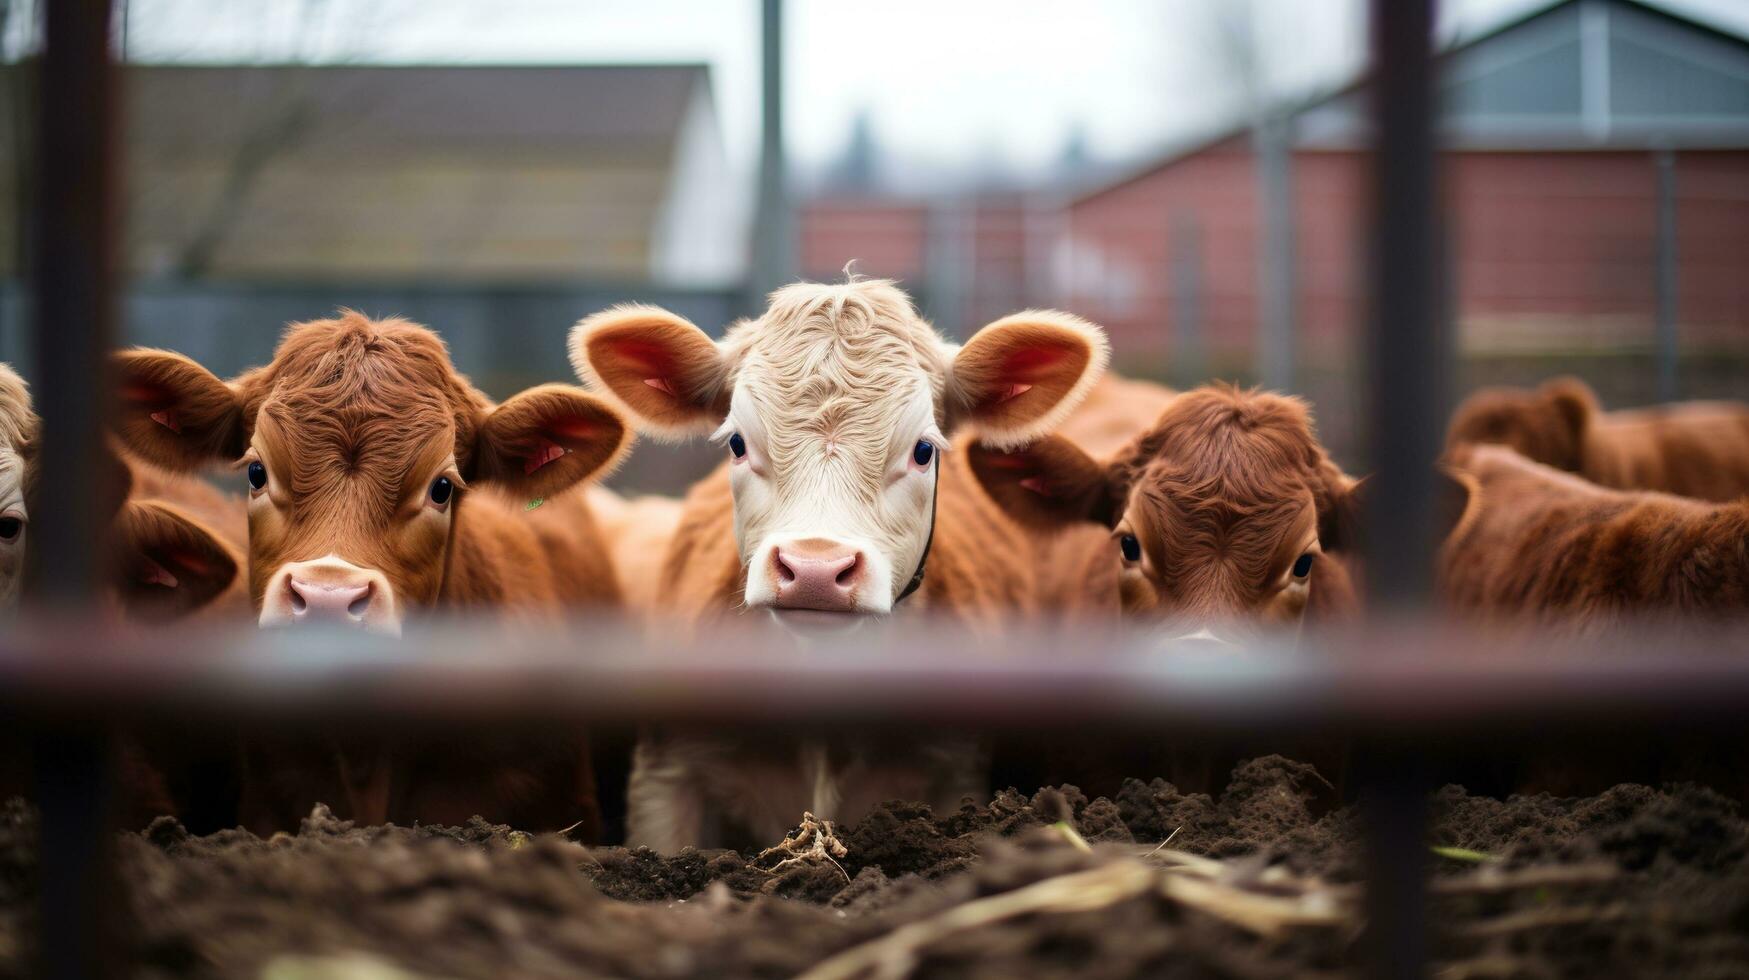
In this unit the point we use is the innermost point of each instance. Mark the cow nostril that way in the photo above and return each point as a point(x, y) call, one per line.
point(785, 574)
point(357, 606)
point(848, 575)
point(297, 599)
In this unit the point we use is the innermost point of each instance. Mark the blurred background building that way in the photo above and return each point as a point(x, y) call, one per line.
point(1188, 175)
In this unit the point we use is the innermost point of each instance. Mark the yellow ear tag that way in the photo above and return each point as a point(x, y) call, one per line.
point(536, 502)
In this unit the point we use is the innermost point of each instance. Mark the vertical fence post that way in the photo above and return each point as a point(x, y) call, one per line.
point(773, 225)
point(1188, 352)
point(1272, 147)
point(73, 296)
point(1668, 387)
point(1406, 362)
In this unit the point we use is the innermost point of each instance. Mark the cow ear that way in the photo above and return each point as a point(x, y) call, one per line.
point(1047, 485)
point(1573, 400)
point(1020, 376)
point(174, 412)
point(166, 563)
point(663, 370)
point(547, 440)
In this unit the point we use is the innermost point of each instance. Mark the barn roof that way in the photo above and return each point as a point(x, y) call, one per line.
point(1575, 75)
point(407, 172)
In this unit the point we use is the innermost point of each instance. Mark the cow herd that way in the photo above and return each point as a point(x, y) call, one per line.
point(870, 468)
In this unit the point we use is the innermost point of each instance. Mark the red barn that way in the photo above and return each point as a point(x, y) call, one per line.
point(1561, 129)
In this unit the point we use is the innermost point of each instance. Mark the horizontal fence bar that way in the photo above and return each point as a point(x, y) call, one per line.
point(1410, 678)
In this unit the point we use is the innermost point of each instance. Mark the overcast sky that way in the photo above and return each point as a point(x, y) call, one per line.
point(954, 82)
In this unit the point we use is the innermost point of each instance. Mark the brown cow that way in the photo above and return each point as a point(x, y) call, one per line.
point(1222, 515)
point(175, 551)
point(1217, 514)
point(169, 556)
point(363, 450)
point(1697, 449)
point(835, 407)
point(1539, 547)
point(1535, 544)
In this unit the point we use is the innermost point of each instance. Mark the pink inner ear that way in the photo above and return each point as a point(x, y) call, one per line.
point(1031, 362)
point(156, 574)
point(1037, 485)
point(545, 452)
point(1015, 390)
point(661, 384)
point(167, 419)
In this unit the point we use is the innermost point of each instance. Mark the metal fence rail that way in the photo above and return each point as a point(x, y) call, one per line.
point(1404, 693)
point(1404, 680)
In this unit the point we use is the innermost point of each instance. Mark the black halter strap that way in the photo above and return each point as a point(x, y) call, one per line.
point(922, 560)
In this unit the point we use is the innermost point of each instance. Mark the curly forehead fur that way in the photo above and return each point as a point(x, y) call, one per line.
point(361, 398)
point(838, 363)
point(1242, 447)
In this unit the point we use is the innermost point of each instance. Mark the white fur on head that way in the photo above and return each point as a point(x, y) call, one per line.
point(832, 389)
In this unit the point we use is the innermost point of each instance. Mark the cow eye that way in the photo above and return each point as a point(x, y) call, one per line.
point(10, 527)
point(737, 445)
point(1132, 548)
point(257, 474)
point(1303, 565)
point(923, 452)
point(441, 490)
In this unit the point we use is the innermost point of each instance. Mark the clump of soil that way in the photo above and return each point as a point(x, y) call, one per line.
point(1254, 883)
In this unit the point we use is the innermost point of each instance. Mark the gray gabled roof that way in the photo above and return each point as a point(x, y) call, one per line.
point(411, 172)
point(406, 107)
point(1578, 74)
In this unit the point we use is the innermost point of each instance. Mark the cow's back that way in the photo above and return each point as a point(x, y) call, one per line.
point(1695, 449)
point(1115, 412)
point(1538, 543)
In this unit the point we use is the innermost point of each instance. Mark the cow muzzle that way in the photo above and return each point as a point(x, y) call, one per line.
point(332, 592)
point(818, 574)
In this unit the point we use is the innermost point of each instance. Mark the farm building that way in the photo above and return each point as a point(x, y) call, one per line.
point(1562, 130)
point(455, 174)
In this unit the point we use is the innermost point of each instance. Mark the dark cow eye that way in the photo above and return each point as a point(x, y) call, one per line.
point(1303, 565)
point(10, 528)
point(441, 489)
point(923, 452)
point(1132, 549)
point(257, 474)
point(737, 445)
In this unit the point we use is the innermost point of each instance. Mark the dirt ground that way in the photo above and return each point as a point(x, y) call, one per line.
point(1635, 881)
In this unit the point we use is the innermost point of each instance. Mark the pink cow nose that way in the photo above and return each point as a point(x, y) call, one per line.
point(329, 602)
point(815, 573)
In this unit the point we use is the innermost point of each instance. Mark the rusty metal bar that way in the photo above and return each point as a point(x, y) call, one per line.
point(73, 295)
point(1408, 365)
point(609, 671)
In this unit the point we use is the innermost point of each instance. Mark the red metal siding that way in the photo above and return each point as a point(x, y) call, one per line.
point(1550, 244)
